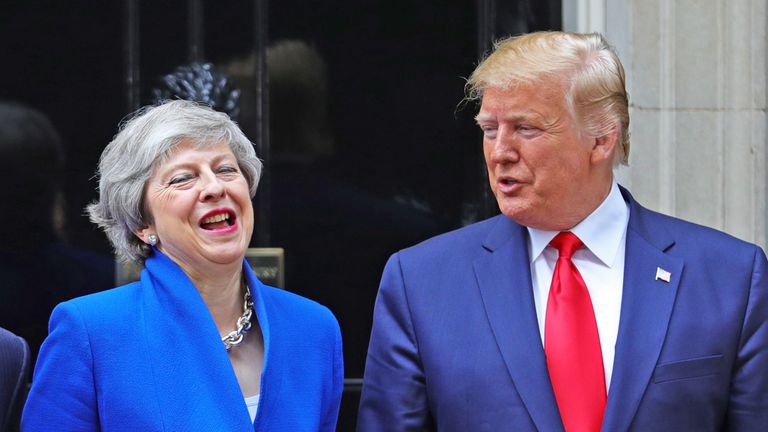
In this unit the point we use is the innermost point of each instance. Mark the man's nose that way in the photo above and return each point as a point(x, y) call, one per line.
point(505, 148)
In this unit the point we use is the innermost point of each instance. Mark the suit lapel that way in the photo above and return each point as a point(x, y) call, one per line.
point(646, 308)
point(505, 286)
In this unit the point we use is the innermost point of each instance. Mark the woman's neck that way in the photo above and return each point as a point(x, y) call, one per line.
point(223, 294)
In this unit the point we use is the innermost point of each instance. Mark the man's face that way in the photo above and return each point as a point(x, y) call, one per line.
point(541, 169)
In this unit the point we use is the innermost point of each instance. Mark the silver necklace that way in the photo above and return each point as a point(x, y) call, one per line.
point(235, 337)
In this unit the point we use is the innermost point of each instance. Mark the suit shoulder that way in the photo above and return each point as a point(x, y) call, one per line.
point(691, 237)
point(457, 242)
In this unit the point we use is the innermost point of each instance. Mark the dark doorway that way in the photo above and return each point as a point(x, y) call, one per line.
point(355, 108)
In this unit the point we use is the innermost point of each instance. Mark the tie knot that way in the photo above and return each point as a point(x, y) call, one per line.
point(566, 244)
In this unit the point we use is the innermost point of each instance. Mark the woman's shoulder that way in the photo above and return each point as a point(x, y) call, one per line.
point(312, 330)
point(115, 302)
point(101, 321)
point(293, 306)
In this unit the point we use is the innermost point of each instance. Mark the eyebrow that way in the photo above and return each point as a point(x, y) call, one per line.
point(186, 165)
point(485, 116)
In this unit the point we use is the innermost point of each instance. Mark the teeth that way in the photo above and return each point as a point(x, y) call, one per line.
point(509, 181)
point(217, 218)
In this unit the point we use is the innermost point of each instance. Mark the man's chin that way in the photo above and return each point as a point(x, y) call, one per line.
point(515, 213)
point(525, 217)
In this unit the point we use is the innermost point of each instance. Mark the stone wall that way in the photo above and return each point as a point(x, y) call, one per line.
point(696, 74)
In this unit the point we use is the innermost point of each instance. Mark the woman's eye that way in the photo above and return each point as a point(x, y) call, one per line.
point(227, 169)
point(179, 179)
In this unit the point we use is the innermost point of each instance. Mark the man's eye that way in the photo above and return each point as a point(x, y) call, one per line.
point(489, 131)
point(527, 130)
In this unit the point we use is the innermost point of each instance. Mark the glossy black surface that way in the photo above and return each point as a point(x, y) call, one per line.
point(366, 144)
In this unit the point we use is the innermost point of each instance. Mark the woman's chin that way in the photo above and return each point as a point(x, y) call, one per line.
point(218, 256)
point(226, 256)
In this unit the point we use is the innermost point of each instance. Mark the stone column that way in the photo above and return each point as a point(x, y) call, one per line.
point(697, 82)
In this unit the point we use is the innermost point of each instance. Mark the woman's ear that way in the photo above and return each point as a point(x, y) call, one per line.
point(146, 235)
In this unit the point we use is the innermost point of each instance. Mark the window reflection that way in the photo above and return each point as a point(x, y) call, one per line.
point(39, 267)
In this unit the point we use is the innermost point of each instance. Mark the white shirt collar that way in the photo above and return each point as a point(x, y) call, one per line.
point(601, 231)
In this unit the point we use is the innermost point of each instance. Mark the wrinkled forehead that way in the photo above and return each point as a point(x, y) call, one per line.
point(183, 144)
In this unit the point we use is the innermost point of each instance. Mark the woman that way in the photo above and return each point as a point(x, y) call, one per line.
point(198, 343)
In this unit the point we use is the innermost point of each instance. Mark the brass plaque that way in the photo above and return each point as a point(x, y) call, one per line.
point(268, 264)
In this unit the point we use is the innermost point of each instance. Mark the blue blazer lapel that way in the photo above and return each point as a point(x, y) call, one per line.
point(646, 308)
point(504, 279)
point(271, 383)
point(196, 385)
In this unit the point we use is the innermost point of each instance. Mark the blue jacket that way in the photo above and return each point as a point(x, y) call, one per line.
point(147, 357)
point(456, 343)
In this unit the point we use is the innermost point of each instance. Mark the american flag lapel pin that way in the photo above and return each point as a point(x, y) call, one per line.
point(662, 274)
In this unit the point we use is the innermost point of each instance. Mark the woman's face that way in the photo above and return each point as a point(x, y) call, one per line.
point(200, 207)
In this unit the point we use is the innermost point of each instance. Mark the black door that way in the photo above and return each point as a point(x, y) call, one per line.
point(355, 108)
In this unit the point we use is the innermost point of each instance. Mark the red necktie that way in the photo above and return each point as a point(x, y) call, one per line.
point(572, 344)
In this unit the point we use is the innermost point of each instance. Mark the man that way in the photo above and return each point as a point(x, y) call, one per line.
point(14, 374)
point(575, 309)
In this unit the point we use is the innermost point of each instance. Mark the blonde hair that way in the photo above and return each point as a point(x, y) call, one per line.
point(588, 66)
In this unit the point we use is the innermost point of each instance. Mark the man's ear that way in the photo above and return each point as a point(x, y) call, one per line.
point(604, 147)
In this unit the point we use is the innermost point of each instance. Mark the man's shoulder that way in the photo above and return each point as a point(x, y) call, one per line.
point(690, 236)
point(462, 241)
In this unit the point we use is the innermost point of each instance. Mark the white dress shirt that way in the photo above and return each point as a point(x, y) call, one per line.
point(600, 262)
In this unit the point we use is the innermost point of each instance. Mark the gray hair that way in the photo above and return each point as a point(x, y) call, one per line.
point(143, 142)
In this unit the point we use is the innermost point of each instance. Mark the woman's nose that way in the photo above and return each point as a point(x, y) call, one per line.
point(212, 187)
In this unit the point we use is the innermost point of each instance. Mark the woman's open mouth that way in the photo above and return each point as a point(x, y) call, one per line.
point(218, 220)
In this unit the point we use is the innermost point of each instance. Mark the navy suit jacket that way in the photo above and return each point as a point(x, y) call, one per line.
point(456, 346)
point(148, 357)
point(14, 369)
